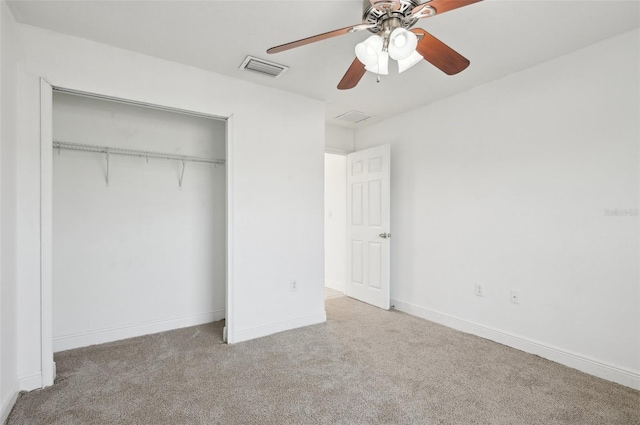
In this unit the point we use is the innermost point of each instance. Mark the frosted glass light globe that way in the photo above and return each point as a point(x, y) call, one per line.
point(402, 43)
point(382, 67)
point(368, 51)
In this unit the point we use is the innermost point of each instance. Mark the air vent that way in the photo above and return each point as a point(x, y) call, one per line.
point(261, 66)
point(353, 117)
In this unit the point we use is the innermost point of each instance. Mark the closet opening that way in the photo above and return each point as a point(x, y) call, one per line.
point(138, 219)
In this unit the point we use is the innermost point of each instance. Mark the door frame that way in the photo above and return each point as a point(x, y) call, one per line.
point(48, 368)
point(343, 154)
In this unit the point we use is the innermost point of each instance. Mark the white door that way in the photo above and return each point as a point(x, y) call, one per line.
point(368, 225)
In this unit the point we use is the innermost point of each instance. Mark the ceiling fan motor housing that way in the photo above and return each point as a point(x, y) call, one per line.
point(386, 17)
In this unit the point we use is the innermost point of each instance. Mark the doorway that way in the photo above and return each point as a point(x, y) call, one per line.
point(358, 225)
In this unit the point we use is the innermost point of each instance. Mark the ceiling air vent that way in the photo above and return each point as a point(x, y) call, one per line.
point(261, 66)
point(353, 117)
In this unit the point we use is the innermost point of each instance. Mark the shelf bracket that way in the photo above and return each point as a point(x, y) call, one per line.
point(182, 173)
point(106, 155)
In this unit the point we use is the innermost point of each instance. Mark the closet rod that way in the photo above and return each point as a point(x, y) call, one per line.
point(133, 152)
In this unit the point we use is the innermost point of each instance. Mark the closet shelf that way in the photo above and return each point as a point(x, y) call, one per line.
point(133, 152)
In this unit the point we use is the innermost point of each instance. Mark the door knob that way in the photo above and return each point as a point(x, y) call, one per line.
point(385, 235)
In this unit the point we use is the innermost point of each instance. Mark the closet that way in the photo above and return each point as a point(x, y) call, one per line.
point(138, 220)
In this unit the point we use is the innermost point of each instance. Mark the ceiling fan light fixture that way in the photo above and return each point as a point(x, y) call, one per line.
point(369, 50)
point(404, 64)
point(382, 67)
point(402, 44)
point(389, 20)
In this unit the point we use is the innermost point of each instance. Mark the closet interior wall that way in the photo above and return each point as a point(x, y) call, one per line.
point(141, 254)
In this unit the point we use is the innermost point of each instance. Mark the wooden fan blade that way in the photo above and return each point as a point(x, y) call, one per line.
point(309, 40)
point(439, 54)
point(442, 6)
point(353, 75)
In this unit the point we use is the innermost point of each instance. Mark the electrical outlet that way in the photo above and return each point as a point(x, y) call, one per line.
point(479, 290)
point(294, 286)
point(515, 296)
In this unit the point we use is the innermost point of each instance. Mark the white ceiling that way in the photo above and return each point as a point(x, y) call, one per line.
point(498, 37)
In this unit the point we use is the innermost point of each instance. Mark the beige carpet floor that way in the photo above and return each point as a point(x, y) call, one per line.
point(364, 366)
point(332, 293)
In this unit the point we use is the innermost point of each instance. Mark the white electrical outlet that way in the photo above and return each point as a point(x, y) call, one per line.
point(479, 290)
point(515, 296)
point(294, 286)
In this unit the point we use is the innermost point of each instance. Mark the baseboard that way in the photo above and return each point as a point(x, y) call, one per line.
point(334, 284)
point(8, 402)
point(30, 382)
point(272, 328)
point(68, 342)
point(582, 363)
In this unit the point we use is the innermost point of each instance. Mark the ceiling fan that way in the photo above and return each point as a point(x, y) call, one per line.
point(390, 21)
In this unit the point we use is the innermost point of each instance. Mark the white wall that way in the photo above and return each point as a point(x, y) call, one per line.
point(8, 216)
point(276, 179)
point(335, 221)
point(339, 140)
point(141, 255)
point(508, 184)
